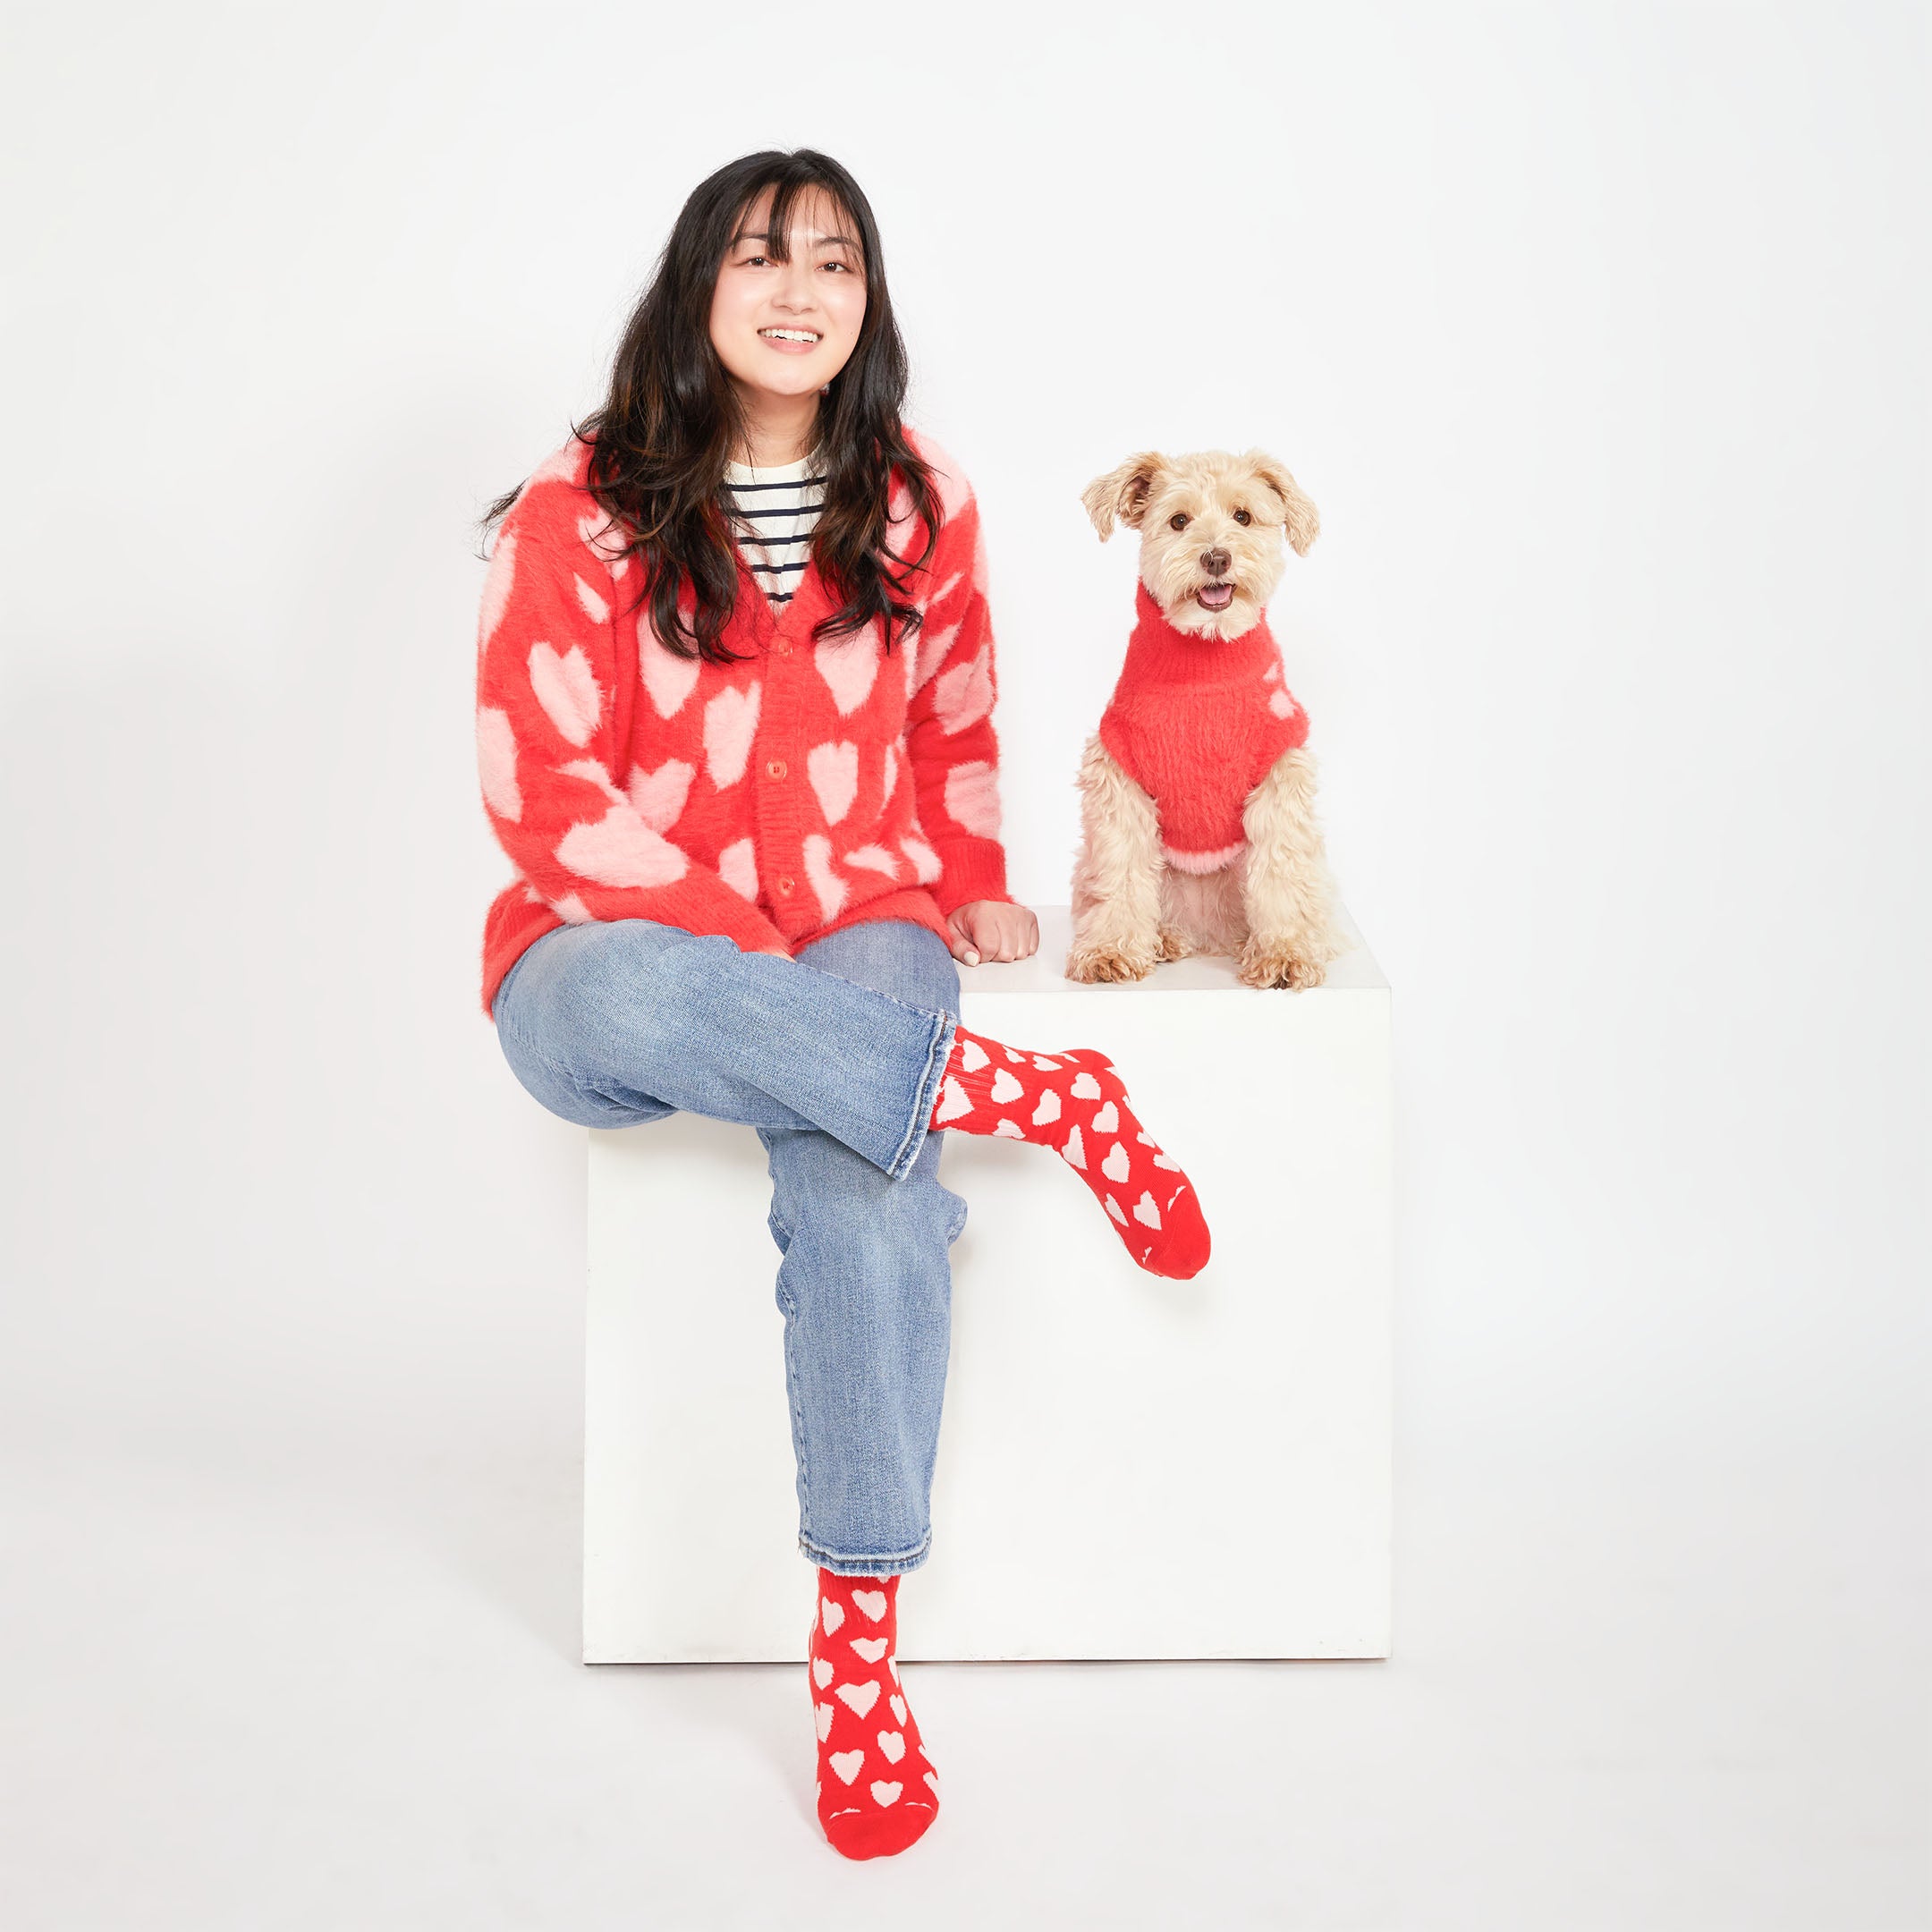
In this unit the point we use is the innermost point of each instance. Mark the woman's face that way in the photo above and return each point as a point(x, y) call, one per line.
point(787, 328)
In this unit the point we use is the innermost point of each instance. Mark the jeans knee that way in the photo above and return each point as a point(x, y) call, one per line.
point(614, 1001)
point(559, 1090)
point(640, 975)
point(573, 992)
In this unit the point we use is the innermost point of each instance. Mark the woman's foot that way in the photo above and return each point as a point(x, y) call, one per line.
point(1076, 1104)
point(877, 1789)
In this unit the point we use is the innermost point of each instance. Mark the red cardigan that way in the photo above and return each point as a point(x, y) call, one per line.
point(802, 789)
point(1196, 722)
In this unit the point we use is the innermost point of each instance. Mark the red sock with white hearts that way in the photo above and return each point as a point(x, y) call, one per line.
point(877, 1789)
point(1075, 1103)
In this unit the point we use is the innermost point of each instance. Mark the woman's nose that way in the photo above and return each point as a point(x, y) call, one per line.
point(795, 290)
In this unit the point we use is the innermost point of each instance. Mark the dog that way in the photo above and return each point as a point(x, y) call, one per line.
point(1197, 826)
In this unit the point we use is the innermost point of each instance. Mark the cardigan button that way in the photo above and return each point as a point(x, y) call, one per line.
point(776, 768)
point(785, 885)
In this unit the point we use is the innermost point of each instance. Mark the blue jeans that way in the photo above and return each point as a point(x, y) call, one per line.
point(835, 1057)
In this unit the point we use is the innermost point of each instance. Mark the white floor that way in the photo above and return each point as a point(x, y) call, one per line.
point(301, 1673)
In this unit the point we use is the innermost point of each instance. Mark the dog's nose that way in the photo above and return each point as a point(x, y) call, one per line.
point(1213, 562)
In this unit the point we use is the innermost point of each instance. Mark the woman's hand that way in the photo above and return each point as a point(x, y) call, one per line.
point(992, 929)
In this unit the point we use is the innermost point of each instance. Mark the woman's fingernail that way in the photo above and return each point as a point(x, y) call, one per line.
point(972, 958)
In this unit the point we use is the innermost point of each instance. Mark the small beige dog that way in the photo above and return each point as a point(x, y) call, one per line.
point(1198, 828)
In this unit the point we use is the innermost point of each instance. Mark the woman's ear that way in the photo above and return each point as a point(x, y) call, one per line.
point(1304, 526)
point(1124, 491)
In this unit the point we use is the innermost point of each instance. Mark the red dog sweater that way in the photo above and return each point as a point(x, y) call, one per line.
point(1196, 722)
point(804, 788)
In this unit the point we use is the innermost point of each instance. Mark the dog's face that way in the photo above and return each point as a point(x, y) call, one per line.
point(1211, 528)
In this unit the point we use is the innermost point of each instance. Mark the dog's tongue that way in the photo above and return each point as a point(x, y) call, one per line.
point(1216, 595)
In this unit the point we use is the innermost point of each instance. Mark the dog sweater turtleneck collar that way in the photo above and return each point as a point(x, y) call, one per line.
point(1196, 722)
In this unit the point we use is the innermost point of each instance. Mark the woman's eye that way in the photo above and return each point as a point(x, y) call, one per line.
point(1241, 516)
point(1178, 521)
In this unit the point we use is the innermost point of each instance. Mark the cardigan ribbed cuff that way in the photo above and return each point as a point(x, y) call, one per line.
point(970, 868)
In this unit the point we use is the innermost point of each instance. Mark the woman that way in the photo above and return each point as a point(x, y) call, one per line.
point(735, 685)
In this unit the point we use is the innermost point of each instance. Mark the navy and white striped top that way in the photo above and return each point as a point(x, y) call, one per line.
point(773, 510)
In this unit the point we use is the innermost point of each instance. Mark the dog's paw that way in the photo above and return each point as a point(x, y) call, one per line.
point(1092, 965)
point(1171, 946)
point(1269, 964)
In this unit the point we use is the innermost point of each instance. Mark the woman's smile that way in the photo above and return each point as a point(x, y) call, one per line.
point(789, 339)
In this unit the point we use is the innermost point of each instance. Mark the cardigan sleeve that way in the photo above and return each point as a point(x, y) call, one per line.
point(546, 658)
point(951, 748)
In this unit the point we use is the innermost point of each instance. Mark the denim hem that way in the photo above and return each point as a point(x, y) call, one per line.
point(938, 1051)
point(887, 1566)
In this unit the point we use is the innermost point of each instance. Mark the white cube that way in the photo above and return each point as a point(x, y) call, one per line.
point(1128, 1467)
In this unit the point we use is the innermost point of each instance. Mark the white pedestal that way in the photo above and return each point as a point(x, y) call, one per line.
point(1128, 1467)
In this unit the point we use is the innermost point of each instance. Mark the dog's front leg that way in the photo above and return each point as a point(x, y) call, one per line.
point(1118, 877)
point(1284, 884)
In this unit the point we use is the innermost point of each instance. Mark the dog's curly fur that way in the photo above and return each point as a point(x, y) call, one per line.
point(1270, 906)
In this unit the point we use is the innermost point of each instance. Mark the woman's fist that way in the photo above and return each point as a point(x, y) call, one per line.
point(993, 929)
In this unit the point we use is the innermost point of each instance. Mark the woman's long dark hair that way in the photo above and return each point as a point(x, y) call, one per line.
point(666, 431)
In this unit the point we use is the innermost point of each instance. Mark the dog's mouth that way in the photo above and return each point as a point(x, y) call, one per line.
point(1215, 595)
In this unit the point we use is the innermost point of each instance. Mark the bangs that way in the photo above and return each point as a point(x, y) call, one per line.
point(788, 188)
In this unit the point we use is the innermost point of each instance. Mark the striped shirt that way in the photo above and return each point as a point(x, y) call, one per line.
point(773, 510)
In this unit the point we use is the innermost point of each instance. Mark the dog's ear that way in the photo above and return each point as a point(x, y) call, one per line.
point(1124, 491)
point(1304, 526)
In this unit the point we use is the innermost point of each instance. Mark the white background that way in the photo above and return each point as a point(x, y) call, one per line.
point(1597, 334)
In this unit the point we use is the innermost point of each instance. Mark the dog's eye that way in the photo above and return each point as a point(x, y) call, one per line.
point(1241, 516)
point(1178, 521)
